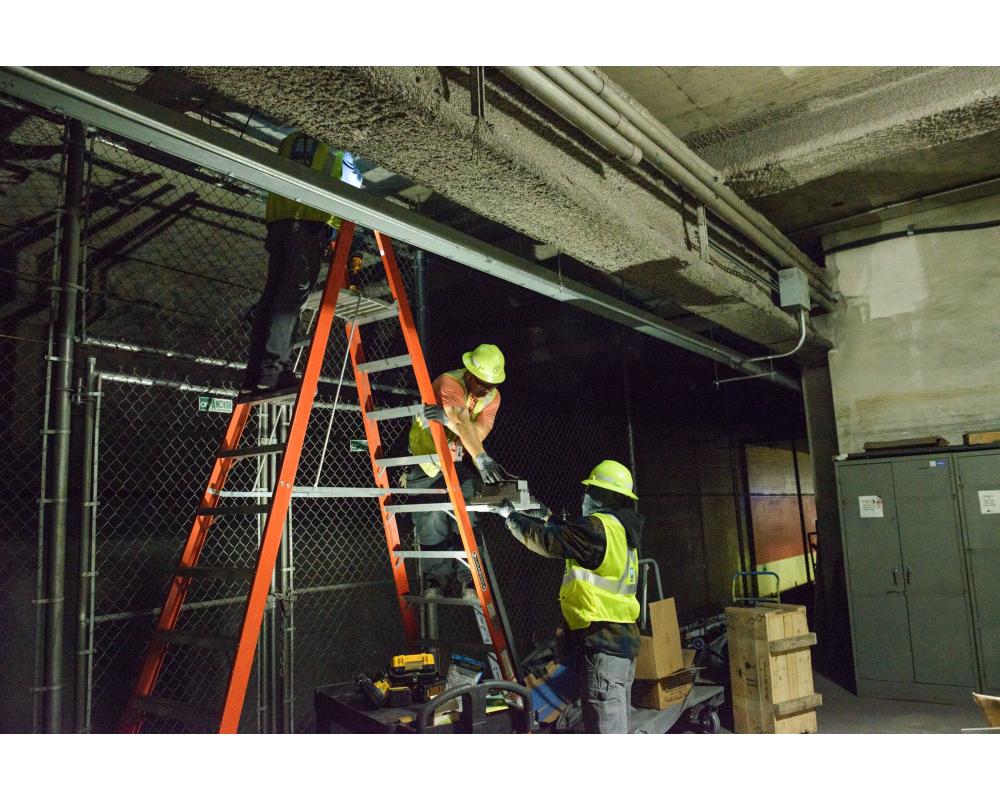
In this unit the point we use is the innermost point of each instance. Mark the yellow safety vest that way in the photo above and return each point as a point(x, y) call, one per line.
point(317, 156)
point(421, 441)
point(606, 594)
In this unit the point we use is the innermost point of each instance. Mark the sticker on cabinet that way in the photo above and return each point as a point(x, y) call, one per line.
point(871, 505)
point(989, 502)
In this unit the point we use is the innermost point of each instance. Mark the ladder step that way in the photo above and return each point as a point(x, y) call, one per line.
point(460, 554)
point(395, 412)
point(172, 709)
point(251, 452)
point(334, 491)
point(454, 647)
point(225, 644)
point(275, 396)
point(385, 364)
point(405, 461)
point(388, 311)
point(440, 601)
point(210, 572)
point(233, 511)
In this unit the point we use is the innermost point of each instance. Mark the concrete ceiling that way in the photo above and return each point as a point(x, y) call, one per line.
point(805, 145)
point(808, 145)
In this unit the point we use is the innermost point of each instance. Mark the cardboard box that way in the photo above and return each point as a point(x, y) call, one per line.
point(666, 691)
point(660, 652)
point(981, 437)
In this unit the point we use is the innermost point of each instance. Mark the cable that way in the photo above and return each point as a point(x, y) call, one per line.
point(885, 237)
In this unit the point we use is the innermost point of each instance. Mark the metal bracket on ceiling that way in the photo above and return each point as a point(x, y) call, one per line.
point(477, 91)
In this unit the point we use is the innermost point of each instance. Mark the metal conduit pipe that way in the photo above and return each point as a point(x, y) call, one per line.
point(565, 94)
point(793, 351)
point(672, 168)
point(575, 111)
point(663, 137)
point(132, 117)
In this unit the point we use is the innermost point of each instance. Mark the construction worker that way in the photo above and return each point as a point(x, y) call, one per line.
point(597, 597)
point(468, 400)
point(297, 239)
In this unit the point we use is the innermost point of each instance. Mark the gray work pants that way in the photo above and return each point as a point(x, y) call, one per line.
point(606, 691)
point(437, 530)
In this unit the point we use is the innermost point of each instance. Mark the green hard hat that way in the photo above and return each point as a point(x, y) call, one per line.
point(486, 363)
point(613, 476)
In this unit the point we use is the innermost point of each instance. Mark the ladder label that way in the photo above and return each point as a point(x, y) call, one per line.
point(359, 445)
point(219, 405)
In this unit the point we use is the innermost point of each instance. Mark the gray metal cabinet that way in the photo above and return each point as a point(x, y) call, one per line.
point(911, 604)
point(979, 493)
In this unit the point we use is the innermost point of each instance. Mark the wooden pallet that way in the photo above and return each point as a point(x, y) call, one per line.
point(771, 669)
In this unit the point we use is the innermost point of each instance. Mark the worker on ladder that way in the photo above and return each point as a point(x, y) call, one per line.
point(297, 240)
point(601, 550)
point(467, 404)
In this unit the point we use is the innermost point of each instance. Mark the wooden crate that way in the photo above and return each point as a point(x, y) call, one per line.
point(771, 669)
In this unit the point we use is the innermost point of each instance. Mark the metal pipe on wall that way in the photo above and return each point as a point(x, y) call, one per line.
point(704, 173)
point(85, 589)
point(420, 298)
point(60, 419)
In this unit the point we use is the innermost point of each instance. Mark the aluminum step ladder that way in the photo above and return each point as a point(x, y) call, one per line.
point(273, 504)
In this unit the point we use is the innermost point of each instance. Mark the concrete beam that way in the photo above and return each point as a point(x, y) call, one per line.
point(888, 114)
point(522, 166)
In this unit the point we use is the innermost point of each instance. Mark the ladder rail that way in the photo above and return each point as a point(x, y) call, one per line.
point(498, 635)
point(271, 541)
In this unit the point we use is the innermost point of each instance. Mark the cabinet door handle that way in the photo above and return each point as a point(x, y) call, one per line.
point(895, 576)
point(909, 575)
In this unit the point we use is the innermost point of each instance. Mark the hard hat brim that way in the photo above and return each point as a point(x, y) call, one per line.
point(609, 486)
point(467, 360)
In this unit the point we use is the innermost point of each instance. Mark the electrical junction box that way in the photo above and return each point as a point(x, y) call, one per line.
point(793, 288)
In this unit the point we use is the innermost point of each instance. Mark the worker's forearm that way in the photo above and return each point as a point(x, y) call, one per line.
point(467, 432)
point(535, 535)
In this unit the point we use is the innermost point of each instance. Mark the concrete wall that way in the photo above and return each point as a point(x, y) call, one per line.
point(917, 346)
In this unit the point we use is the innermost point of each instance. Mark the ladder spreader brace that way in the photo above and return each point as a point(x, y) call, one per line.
point(242, 648)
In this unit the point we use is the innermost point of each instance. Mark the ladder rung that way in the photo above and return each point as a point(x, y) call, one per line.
point(421, 508)
point(232, 511)
point(460, 554)
point(390, 311)
point(385, 364)
point(395, 412)
point(215, 572)
point(440, 601)
point(226, 644)
point(454, 647)
point(405, 461)
point(251, 452)
point(334, 491)
point(285, 395)
point(172, 709)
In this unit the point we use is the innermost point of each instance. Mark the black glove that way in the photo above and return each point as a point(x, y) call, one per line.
point(489, 470)
point(433, 413)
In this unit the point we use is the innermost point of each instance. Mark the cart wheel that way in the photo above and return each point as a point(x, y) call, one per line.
point(708, 720)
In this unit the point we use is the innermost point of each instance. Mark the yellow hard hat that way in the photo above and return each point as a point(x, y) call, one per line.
point(486, 363)
point(613, 476)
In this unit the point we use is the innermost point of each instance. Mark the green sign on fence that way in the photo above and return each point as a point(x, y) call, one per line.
point(359, 445)
point(220, 405)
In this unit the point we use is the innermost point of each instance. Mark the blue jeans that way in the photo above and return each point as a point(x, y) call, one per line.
point(606, 691)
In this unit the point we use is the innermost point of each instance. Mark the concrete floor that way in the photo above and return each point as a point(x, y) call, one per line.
point(843, 712)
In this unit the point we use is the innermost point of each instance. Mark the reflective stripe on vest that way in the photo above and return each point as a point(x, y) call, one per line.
point(606, 594)
point(315, 155)
point(421, 441)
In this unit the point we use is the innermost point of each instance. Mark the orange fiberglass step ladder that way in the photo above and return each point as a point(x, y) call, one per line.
point(356, 311)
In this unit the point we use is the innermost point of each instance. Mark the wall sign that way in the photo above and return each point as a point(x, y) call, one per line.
point(989, 502)
point(870, 505)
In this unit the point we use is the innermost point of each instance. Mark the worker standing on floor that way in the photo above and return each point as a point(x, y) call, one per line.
point(297, 239)
point(597, 597)
point(468, 401)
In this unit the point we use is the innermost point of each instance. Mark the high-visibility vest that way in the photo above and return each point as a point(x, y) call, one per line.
point(606, 594)
point(421, 441)
point(316, 155)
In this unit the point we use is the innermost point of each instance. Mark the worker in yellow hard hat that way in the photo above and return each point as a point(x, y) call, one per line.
point(601, 550)
point(298, 237)
point(467, 403)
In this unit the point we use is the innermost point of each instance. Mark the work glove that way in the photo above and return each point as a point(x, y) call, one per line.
point(543, 512)
point(489, 470)
point(434, 413)
point(504, 509)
